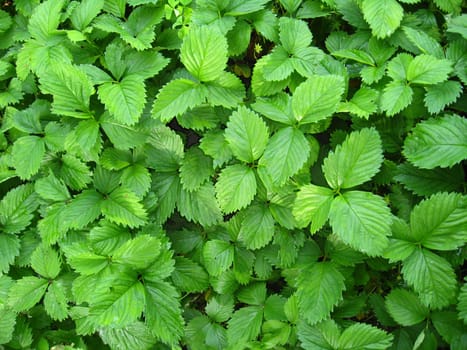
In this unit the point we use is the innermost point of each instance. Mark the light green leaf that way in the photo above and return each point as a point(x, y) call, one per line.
point(356, 55)
point(220, 307)
point(238, 38)
point(166, 151)
point(431, 276)
point(396, 96)
point(362, 104)
point(277, 108)
point(85, 262)
point(244, 325)
point(177, 97)
point(317, 98)
point(362, 220)
point(285, 154)
point(241, 7)
point(355, 161)
point(136, 335)
point(398, 66)
point(26, 293)
point(85, 12)
point(9, 250)
point(424, 43)
point(437, 142)
point(17, 208)
point(188, 276)
point(46, 262)
point(215, 145)
point(71, 89)
point(235, 187)
point(318, 295)
point(83, 209)
point(52, 188)
point(405, 307)
point(257, 228)
point(227, 91)
point(74, 172)
point(122, 206)
point(312, 203)
point(136, 178)
point(364, 337)
point(247, 135)
point(277, 65)
point(195, 169)
point(204, 53)
point(383, 16)
point(440, 222)
point(322, 336)
point(125, 99)
point(218, 256)
point(139, 252)
point(107, 237)
point(7, 326)
point(439, 96)
point(294, 34)
point(449, 5)
point(145, 64)
point(260, 85)
point(45, 19)
point(168, 193)
point(428, 70)
point(27, 154)
point(55, 302)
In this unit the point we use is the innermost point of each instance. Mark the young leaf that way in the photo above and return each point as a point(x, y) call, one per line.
point(437, 142)
point(405, 307)
point(364, 336)
point(428, 70)
point(383, 16)
point(318, 295)
point(355, 161)
point(46, 262)
point(218, 256)
point(286, 152)
point(27, 154)
point(257, 227)
point(26, 293)
point(247, 135)
point(431, 276)
point(312, 203)
point(317, 98)
point(362, 220)
point(204, 53)
point(123, 207)
point(235, 187)
point(136, 178)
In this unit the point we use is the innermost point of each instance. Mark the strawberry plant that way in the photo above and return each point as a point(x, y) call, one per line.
point(211, 174)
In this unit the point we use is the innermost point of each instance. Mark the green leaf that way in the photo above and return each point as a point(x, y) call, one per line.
point(27, 154)
point(74, 172)
point(71, 90)
point(439, 96)
point(46, 262)
point(85, 12)
point(227, 91)
point(405, 307)
point(85, 262)
point(177, 97)
point(133, 336)
point(218, 256)
point(26, 293)
point(322, 336)
point(294, 34)
point(215, 145)
point(9, 250)
point(437, 142)
point(240, 7)
point(123, 207)
point(440, 222)
point(139, 252)
point(424, 43)
point(362, 220)
point(260, 85)
point(257, 228)
point(247, 135)
point(125, 99)
point(317, 98)
point(245, 325)
point(313, 203)
point(45, 19)
point(235, 187)
point(55, 302)
point(356, 55)
point(17, 208)
point(188, 276)
point(396, 96)
point(204, 53)
point(145, 64)
point(277, 65)
point(428, 70)
point(136, 178)
point(220, 307)
point(317, 296)
point(83, 209)
point(195, 169)
point(277, 108)
point(363, 103)
point(462, 303)
point(7, 326)
point(383, 16)
point(431, 276)
point(355, 161)
point(365, 337)
point(286, 153)
point(449, 5)
point(52, 189)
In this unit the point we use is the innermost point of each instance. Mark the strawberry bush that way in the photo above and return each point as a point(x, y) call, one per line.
point(244, 174)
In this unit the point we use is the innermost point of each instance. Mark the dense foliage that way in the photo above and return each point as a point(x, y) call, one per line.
point(233, 174)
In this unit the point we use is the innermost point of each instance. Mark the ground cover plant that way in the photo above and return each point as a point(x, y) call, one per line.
point(244, 174)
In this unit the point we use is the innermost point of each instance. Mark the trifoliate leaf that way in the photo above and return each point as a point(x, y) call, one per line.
point(277, 65)
point(195, 169)
point(257, 227)
point(362, 104)
point(428, 70)
point(125, 99)
point(294, 34)
point(383, 16)
point(247, 135)
point(312, 203)
point(26, 293)
point(439, 96)
point(188, 276)
point(204, 53)
point(355, 161)
point(362, 220)
point(17, 208)
point(365, 337)
point(177, 97)
point(235, 187)
point(437, 142)
point(440, 222)
point(71, 89)
point(286, 152)
point(396, 96)
point(9, 250)
point(431, 276)
point(139, 252)
point(317, 98)
point(55, 301)
point(245, 325)
point(319, 289)
point(122, 206)
point(405, 307)
point(27, 154)
point(46, 262)
point(218, 256)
